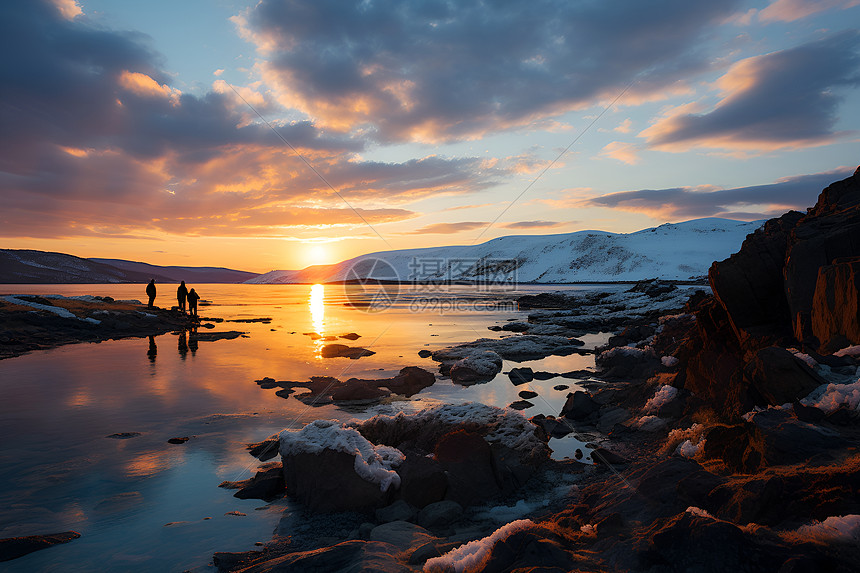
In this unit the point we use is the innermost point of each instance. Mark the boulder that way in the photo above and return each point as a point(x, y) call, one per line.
point(267, 485)
point(440, 514)
point(579, 406)
point(326, 481)
point(355, 390)
point(344, 351)
point(521, 375)
point(625, 362)
point(778, 377)
point(409, 381)
point(422, 480)
point(397, 511)
point(480, 366)
point(468, 462)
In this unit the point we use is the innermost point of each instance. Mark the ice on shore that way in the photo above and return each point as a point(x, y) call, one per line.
point(662, 397)
point(372, 463)
point(468, 556)
point(834, 528)
point(831, 396)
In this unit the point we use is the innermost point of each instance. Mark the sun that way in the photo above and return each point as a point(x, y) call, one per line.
point(317, 255)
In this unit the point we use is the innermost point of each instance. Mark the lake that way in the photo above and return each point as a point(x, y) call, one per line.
point(142, 504)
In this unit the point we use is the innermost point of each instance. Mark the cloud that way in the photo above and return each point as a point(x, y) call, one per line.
point(442, 71)
point(791, 10)
point(97, 141)
point(625, 126)
point(748, 203)
point(534, 224)
point(784, 99)
point(623, 152)
point(448, 228)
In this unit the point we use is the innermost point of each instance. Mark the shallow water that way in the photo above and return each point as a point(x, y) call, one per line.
point(61, 472)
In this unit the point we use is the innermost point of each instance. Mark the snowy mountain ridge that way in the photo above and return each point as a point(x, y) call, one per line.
point(672, 251)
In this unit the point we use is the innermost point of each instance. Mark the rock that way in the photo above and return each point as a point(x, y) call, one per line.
point(604, 456)
point(560, 387)
point(612, 524)
point(778, 377)
point(355, 390)
point(440, 514)
point(653, 287)
point(424, 353)
point(520, 405)
point(609, 416)
point(578, 374)
point(266, 383)
point(481, 366)
point(552, 427)
point(124, 435)
point(344, 351)
point(409, 381)
point(397, 511)
point(266, 485)
point(625, 362)
point(403, 535)
point(422, 481)
point(15, 547)
point(468, 462)
point(535, 549)
point(541, 375)
point(327, 481)
point(284, 392)
point(178, 440)
point(579, 406)
point(350, 336)
point(229, 561)
point(835, 312)
point(807, 413)
point(526, 394)
point(521, 375)
point(349, 556)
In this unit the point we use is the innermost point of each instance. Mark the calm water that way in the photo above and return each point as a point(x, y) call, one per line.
point(142, 504)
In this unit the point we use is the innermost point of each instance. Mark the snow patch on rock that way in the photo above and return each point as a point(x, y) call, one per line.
point(662, 397)
point(834, 528)
point(467, 557)
point(372, 463)
point(830, 397)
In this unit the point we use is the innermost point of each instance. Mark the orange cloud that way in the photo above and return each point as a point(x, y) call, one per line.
point(144, 86)
point(791, 10)
point(623, 152)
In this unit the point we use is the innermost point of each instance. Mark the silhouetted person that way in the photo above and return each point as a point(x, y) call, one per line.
point(150, 292)
point(193, 297)
point(153, 349)
point(181, 296)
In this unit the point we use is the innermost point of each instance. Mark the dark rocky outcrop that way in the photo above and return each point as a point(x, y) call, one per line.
point(14, 547)
point(835, 312)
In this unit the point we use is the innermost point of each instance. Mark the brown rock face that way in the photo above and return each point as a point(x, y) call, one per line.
point(835, 314)
point(786, 284)
point(749, 284)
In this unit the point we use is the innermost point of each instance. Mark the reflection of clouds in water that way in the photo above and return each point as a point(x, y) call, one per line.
point(148, 464)
point(79, 398)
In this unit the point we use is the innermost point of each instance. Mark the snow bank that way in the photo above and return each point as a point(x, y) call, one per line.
point(507, 427)
point(810, 361)
point(469, 556)
point(482, 362)
point(850, 351)
point(662, 397)
point(61, 312)
point(650, 423)
point(686, 442)
point(688, 449)
point(372, 463)
point(669, 361)
point(841, 528)
point(832, 396)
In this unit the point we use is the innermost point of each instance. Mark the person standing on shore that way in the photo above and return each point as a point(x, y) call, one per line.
point(181, 296)
point(193, 297)
point(150, 292)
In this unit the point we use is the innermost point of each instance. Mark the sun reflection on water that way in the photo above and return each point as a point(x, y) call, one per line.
point(316, 304)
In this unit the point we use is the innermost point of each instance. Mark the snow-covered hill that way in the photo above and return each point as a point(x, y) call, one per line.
point(678, 251)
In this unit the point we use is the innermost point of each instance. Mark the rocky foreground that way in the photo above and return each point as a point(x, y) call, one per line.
point(32, 322)
point(724, 429)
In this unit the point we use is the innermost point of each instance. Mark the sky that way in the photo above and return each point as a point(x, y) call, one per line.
point(271, 134)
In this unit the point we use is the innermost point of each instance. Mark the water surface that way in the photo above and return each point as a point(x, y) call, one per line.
point(142, 504)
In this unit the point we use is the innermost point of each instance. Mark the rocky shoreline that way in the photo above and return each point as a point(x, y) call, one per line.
point(33, 322)
point(725, 434)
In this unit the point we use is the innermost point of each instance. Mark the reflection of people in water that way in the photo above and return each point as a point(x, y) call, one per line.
point(181, 295)
point(192, 341)
point(183, 344)
point(153, 349)
point(150, 292)
point(193, 297)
